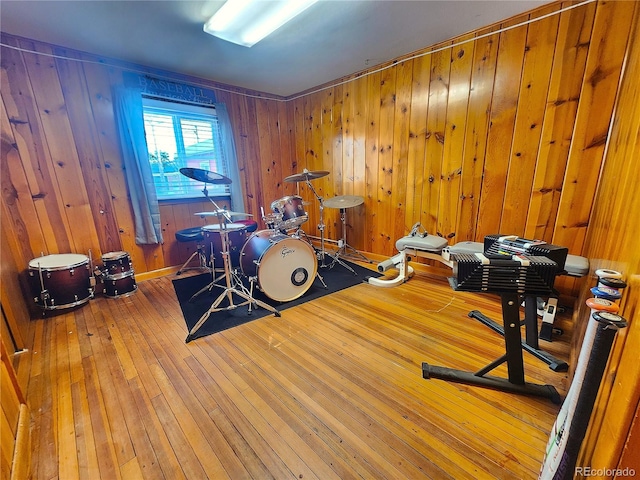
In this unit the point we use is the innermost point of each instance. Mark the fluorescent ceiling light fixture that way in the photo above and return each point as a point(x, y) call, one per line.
point(246, 22)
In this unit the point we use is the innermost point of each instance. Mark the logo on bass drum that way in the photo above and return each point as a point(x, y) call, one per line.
point(286, 251)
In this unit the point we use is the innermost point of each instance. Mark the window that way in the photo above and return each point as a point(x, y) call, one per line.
point(181, 135)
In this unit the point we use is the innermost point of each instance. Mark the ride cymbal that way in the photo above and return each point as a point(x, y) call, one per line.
point(306, 175)
point(205, 176)
point(344, 201)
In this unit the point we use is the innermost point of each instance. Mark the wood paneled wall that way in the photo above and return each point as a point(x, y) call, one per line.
point(612, 242)
point(63, 181)
point(502, 130)
point(491, 132)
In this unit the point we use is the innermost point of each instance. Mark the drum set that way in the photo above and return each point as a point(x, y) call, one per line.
point(69, 279)
point(280, 261)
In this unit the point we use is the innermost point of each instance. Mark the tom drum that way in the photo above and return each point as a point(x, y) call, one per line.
point(285, 267)
point(60, 280)
point(116, 262)
point(292, 210)
point(120, 284)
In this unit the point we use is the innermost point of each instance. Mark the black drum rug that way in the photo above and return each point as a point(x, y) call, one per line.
point(336, 278)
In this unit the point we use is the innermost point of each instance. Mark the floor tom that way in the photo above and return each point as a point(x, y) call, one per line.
point(237, 233)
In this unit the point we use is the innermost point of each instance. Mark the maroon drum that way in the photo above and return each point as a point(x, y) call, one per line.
point(116, 262)
point(60, 280)
point(237, 233)
point(291, 208)
point(119, 285)
point(118, 278)
point(283, 266)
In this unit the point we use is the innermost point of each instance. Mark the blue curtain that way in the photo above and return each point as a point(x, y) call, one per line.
point(229, 146)
point(128, 109)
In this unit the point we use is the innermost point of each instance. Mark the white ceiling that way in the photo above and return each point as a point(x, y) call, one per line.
point(331, 39)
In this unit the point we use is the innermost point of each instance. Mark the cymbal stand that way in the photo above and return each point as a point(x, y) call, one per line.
point(214, 281)
point(300, 233)
point(323, 253)
point(344, 247)
point(321, 225)
point(233, 286)
point(223, 218)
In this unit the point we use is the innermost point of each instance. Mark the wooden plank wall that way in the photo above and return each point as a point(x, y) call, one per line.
point(491, 132)
point(612, 242)
point(62, 172)
point(502, 130)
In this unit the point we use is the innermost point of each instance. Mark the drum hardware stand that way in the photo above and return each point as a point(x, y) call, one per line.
point(92, 278)
point(299, 233)
point(214, 281)
point(44, 293)
point(343, 246)
point(323, 252)
point(233, 285)
point(202, 258)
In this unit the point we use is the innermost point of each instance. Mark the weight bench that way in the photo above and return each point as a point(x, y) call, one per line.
point(419, 243)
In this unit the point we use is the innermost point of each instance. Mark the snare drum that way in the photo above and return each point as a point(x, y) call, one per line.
point(60, 280)
point(285, 267)
point(119, 285)
point(237, 233)
point(116, 262)
point(292, 210)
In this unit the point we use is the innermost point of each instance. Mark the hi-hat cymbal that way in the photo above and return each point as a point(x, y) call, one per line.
point(221, 212)
point(344, 201)
point(306, 175)
point(205, 176)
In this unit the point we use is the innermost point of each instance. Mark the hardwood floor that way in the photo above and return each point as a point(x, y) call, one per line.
point(332, 389)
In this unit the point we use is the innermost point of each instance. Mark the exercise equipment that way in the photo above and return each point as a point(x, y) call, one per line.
point(419, 243)
point(569, 429)
point(510, 276)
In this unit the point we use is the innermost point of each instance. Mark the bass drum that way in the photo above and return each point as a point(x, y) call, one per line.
point(60, 280)
point(285, 267)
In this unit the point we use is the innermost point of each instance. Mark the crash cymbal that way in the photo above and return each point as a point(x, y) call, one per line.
point(306, 175)
point(205, 176)
point(344, 201)
point(221, 212)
